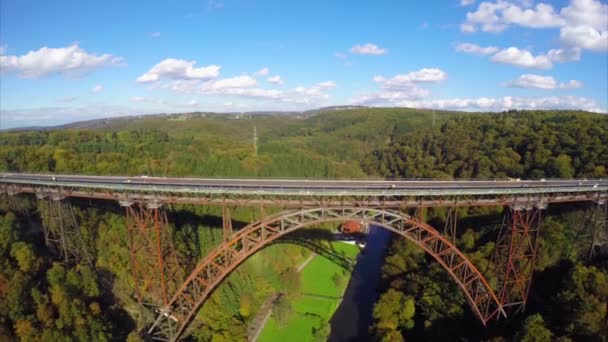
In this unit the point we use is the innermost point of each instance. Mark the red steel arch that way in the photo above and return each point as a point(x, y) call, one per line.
point(173, 319)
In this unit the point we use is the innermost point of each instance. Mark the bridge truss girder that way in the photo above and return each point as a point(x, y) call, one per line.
point(173, 318)
point(599, 228)
point(154, 264)
point(62, 231)
point(515, 253)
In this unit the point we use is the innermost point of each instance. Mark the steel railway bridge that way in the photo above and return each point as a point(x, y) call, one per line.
point(396, 205)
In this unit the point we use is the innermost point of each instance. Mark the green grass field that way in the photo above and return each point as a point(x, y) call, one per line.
point(312, 312)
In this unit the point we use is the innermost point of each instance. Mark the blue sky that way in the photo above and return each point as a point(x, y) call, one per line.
point(66, 61)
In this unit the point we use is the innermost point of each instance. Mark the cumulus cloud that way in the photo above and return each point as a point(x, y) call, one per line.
point(276, 79)
point(585, 37)
point(507, 103)
point(466, 2)
point(495, 17)
point(402, 87)
point(541, 16)
point(583, 23)
point(178, 69)
point(368, 49)
point(155, 34)
point(541, 82)
point(390, 96)
point(522, 58)
point(564, 55)
point(138, 99)
point(425, 75)
point(476, 49)
point(340, 55)
point(262, 72)
point(68, 61)
point(96, 89)
point(586, 12)
point(247, 87)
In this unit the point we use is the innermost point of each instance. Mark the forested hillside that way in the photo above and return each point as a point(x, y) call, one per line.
point(527, 144)
point(42, 300)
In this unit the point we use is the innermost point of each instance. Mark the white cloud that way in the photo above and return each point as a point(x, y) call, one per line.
point(571, 84)
point(506, 103)
point(178, 69)
point(192, 103)
point(391, 96)
point(541, 82)
point(583, 23)
point(495, 17)
point(476, 49)
point(586, 25)
point(466, 2)
point(243, 81)
point(96, 89)
point(425, 75)
point(487, 16)
point(467, 28)
point(541, 16)
point(262, 72)
point(368, 49)
point(402, 87)
point(585, 37)
point(245, 86)
point(340, 55)
point(522, 58)
point(155, 34)
point(276, 79)
point(586, 12)
point(564, 55)
point(533, 81)
point(138, 99)
point(318, 90)
point(68, 61)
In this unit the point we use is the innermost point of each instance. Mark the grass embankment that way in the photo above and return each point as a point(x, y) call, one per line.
point(318, 278)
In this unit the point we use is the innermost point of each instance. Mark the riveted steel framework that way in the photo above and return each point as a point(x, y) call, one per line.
point(173, 318)
point(515, 253)
point(153, 259)
point(599, 222)
point(62, 231)
point(226, 223)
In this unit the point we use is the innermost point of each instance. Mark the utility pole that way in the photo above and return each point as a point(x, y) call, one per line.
point(255, 141)
point(433, 118)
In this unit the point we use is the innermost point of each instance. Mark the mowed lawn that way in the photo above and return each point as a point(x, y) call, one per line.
point(312, 312)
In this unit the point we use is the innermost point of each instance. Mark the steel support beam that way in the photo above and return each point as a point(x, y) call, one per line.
point(62, 231)
point(451, 222)
point(515, 254)
point(599, 224)
point(154, 263)
point(226, 223)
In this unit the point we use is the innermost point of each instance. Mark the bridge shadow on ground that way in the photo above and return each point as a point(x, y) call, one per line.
point(317, 240)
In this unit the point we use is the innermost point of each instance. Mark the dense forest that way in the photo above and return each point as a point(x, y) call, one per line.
point(41, 299)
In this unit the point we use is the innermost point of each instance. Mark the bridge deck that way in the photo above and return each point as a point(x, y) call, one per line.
point(196, 190)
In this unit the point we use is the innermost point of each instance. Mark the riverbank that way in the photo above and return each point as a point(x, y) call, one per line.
point(322, 284)
point(352, 319)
